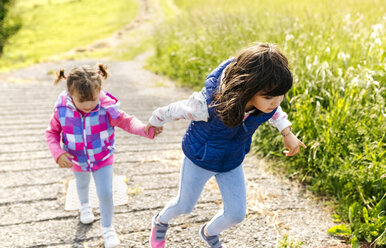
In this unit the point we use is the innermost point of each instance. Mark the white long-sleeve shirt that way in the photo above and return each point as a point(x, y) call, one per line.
point(195, 108)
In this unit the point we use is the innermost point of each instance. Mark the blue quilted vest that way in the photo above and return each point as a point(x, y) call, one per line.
point(214, 146)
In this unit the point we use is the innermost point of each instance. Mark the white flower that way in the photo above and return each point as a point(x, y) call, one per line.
point(377, 27)
point(377, 30)
point(289, 37)
point(378, 42)
point(355, 81)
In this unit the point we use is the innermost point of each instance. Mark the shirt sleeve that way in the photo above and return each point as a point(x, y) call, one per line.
point(194, 108)
point(131, 124)
point(280, 120)
point(53, 133)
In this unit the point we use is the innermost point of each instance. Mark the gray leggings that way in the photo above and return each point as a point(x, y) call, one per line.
point(103, 179)
point(192, 181)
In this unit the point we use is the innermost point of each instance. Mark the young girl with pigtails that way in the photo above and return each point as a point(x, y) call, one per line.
point(238, 96)
point(84, 119)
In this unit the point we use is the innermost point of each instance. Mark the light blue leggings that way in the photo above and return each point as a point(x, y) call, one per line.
point(192, 181)
point(103, 179)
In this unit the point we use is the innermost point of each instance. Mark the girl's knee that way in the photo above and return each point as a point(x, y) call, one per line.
point(236, 216)
point(105, 195)
point(186, 210)
point(82, 186)
point(180, 206)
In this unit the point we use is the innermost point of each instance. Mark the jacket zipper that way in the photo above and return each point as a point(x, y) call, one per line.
point(245, 127)
point(85, 140)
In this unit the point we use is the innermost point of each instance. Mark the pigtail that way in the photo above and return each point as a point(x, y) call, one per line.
point(102, 70)
point(59, 76)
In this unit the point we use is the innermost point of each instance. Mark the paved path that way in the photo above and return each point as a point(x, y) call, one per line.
point(32, 192)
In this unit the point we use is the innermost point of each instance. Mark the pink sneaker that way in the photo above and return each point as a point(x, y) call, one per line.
point(158, 232)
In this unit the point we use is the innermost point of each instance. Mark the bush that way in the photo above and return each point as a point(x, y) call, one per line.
point(8, 25)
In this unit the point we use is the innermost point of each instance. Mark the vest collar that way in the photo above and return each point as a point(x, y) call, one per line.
point(106, 101)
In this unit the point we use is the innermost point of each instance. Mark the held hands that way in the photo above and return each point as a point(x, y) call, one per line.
point(291, 142)
point(64, 162)
point(157, 130)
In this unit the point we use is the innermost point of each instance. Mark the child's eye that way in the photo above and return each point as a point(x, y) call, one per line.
point(268, 97)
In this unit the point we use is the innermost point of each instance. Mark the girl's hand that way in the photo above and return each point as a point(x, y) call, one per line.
point(292, 143)
point(64, 162)
point(157, 130)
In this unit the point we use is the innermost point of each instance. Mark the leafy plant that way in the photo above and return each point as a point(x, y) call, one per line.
point(9, 25)
point(286, 242)
point(365, 223)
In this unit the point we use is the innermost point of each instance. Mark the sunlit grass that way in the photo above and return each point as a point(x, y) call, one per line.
point(52, 27)
point(137, 40)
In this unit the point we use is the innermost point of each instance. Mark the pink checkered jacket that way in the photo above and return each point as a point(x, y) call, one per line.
point(89, 137)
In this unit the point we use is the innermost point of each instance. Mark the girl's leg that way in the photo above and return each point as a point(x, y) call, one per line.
point(192, 181)
point(233, 192)
point(82, 181)
point(104, 186)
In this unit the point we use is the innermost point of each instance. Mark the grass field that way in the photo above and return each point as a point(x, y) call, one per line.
point(337, 105)
point(51, 27)
point(337, 55)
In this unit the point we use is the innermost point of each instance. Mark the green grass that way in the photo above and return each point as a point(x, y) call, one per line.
point(137, 40)
point(51, 27)
point(337, 105)
point(132, 44)
point(287, 242)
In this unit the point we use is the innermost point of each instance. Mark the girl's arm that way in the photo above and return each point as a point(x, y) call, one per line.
point(131, 124)
point(280, 120)
point(53, 136)
point(195, 108)
point(291, 142)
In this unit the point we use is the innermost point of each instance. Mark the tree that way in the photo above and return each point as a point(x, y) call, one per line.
point(8, 25)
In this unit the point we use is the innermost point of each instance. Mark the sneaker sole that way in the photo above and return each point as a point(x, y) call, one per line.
point(87, 222)
point(113, 245)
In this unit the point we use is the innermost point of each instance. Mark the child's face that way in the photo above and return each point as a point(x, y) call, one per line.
point(85, 106)
point(264, 103)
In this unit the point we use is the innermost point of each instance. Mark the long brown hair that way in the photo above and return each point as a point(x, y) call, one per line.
point(259, 68)
point(84, 80)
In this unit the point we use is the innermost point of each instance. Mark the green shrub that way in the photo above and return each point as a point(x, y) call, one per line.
point(9, 25)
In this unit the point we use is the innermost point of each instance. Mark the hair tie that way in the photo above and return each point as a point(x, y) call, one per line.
point(99, 72)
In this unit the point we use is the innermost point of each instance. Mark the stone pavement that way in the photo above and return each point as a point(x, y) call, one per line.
point(33, 188)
